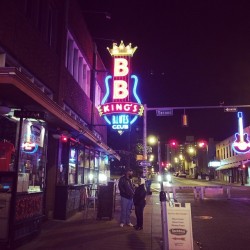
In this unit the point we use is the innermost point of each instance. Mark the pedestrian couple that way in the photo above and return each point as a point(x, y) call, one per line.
point(130, 195)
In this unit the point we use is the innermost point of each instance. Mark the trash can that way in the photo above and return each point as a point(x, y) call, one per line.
point(106, 201)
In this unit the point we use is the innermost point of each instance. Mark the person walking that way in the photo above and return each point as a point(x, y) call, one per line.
point(126, 189)
point(139, 203)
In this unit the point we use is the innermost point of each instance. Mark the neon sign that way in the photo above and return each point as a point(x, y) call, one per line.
point(29, 146)
point(121, 107)
point(241, 145)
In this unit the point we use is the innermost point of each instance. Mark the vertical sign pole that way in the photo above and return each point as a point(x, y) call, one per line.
point(145, 137)
point(163, 200)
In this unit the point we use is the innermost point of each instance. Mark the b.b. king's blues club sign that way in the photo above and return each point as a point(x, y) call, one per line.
point(121, 105)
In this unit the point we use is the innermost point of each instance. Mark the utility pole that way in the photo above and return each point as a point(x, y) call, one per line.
point(163, 197)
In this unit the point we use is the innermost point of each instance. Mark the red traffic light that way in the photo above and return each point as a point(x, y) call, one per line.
point(243, 166)
point(173, 143)
point(202, 144)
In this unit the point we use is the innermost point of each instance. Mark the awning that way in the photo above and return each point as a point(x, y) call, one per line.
point(15, 87)
point(228, 166)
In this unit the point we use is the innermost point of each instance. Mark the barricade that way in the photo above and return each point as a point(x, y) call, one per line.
point(201, 192)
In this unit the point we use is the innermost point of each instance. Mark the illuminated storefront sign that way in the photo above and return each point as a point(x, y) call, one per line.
point(121, 106)
point(33, 137)
point(241, 145)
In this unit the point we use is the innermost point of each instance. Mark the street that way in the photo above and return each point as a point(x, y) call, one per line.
point(217, 221)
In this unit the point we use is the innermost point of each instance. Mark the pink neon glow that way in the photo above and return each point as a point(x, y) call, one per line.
point(120, 67)
point(121, 107)
point(120, 89)
point(121, 79)
point(241, 144)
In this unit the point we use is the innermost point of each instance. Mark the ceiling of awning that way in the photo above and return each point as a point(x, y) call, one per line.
point(228, 166)
point(18, 92)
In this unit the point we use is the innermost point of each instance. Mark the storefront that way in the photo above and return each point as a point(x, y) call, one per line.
point(79, 167)
point(23, 151)
point(42, 174)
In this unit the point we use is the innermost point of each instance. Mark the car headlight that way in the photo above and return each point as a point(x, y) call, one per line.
point(159, 178)
point(168, 177)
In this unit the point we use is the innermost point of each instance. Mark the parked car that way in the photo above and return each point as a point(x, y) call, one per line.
point(182, 175)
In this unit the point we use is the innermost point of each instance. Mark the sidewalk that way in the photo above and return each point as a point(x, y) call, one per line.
point(92, 234)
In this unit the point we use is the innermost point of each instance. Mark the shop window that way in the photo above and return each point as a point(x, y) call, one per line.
point(7, 151)
point(31, 167)
point(87, 158)
point(86, 176)
point(80, 161)
point(72, 166)
point(92, 159)
point(97, 161)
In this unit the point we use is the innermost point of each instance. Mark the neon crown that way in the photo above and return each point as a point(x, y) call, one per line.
point(122, 50)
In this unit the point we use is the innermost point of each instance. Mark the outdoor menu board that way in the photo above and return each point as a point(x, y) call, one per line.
point(179, 221)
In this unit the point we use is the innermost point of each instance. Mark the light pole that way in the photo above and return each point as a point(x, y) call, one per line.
point(163, 197)
point(163, 200)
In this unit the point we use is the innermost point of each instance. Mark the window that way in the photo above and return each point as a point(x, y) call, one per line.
point(77, 65)
point(92, 159)
point(72, 166)
point(80, 161)
point(52, 27)
point(31, 169)
point(70, 56)
point(98, 95)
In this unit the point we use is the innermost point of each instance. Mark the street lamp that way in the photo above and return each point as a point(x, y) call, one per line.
point(163, 197)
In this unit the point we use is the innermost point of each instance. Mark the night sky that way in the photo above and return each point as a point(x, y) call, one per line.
point(190, 53)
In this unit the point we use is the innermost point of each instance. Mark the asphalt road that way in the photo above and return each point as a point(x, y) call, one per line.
point(219, 222)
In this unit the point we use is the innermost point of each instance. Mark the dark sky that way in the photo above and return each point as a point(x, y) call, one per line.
point(190, 53)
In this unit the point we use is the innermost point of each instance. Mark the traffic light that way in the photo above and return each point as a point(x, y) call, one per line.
point(173, 143)
point(243, 166)
point(184, 120)
point(202, 144)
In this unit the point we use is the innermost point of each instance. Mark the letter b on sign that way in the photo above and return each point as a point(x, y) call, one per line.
point(120, 89)
point(120, 67)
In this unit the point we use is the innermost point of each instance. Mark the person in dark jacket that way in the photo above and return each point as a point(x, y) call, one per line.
point(139, 203)
point(126, 192)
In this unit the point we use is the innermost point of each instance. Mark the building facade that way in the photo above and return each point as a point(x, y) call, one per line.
point(191, 157)
point(52, 141)
point(234, 167)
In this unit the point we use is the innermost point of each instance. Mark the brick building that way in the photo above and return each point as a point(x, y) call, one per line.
point(51, 81)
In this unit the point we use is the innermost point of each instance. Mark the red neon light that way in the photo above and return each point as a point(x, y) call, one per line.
point(120, 107)
point(121, 79)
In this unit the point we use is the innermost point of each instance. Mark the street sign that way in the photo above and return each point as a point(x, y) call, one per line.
point(30, 114)
point(164, 112)
point(144, 163)
point(230, 109)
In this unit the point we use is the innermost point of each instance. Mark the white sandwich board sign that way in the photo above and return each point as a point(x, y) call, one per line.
point(180, 234)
